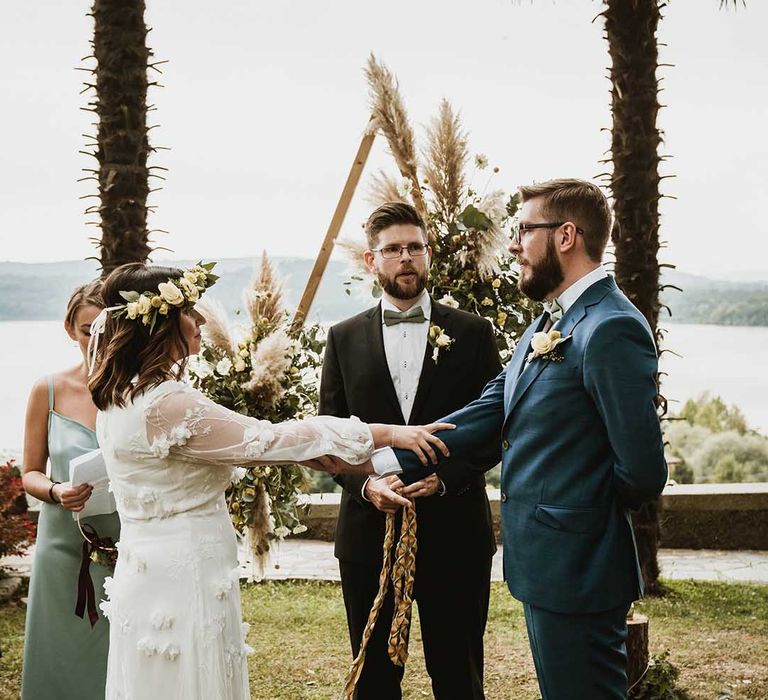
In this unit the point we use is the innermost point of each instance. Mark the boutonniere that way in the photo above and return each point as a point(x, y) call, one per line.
point(439, 340)
point(545, 344)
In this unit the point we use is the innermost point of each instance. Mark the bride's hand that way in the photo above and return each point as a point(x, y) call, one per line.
point(420, 440)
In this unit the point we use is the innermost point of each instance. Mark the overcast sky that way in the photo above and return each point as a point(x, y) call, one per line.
point(264, 105)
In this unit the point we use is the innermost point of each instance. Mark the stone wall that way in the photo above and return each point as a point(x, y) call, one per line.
point(694, 516)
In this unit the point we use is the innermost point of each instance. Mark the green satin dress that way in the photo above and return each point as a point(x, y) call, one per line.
point(65, 658)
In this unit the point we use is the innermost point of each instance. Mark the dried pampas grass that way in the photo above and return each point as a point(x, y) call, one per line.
point(216, 327)
point(388, 111)
point(445, 158)
point(270, 361)
point(264, 300)
point(383, 189)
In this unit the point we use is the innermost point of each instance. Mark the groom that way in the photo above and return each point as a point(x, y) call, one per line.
point(379, 367)
point(581, 445)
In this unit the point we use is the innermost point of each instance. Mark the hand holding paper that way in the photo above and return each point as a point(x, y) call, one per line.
point(90, 468)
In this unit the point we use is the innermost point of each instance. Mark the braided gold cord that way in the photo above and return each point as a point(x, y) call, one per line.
point(353, 675)
point(403, 571)
point(402, 574)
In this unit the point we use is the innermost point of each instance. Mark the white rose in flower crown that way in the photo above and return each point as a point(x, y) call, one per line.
point(170, 293)
point(190, 289)
point(542, 342)
point(191, 276)
point(164, 309)
point(448, 300)
point(443, 340)
point(132, 309)
point(224, 367)
point(144, 305)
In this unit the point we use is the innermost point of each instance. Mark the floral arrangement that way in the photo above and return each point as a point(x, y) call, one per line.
point(268, 371)
point(17, 531)
point(466, 223)
point(180, 293)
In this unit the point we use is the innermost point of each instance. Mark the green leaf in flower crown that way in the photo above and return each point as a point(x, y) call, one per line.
point(473, 218)
point(513, 204)
point(130, 296)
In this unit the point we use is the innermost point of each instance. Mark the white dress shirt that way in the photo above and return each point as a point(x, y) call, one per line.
point(384, 460)
point(404, 346)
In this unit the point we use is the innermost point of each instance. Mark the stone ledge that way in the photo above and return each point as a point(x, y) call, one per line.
point(696, 516)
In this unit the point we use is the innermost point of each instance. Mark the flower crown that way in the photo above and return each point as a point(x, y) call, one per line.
point(177, 293)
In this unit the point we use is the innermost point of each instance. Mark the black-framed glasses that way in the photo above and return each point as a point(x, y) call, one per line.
point(390, 252)
point(519, 229)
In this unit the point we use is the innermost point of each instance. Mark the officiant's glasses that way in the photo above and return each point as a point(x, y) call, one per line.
point(519, 229)
point(390, 252)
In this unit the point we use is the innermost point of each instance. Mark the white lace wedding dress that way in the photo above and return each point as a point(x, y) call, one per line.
point(174, 601)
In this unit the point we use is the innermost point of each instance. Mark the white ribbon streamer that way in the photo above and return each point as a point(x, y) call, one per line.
point(97, 328)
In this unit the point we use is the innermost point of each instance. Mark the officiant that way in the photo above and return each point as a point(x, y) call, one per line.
point(390, 364)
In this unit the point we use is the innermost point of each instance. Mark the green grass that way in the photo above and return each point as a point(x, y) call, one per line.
point(717, 634)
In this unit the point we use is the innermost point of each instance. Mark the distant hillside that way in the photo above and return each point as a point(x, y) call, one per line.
point(40, 291)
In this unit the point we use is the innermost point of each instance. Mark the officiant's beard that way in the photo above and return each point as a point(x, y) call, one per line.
point(399, 290)
point(545, 276)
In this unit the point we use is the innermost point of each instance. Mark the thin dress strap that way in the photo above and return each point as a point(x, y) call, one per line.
point(50, 393)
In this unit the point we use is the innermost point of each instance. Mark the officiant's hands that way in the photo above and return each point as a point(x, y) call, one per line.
point(380, 493)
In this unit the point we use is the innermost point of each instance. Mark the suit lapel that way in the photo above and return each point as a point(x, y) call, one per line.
point(518, 359)
point(375, 341)
point(429, 369)
point(591, 296)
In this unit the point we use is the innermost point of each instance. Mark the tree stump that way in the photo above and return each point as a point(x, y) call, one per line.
point(637, 647)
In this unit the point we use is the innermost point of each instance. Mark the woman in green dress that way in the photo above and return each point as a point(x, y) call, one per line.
point(65, 654)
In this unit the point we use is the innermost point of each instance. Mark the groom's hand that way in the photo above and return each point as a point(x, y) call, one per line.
point(380, 493)
point(336, 465)
point(428, 486)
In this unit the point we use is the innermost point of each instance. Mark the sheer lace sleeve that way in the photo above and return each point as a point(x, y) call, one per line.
point(185, 422)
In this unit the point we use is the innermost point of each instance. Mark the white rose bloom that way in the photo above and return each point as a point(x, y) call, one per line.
point(144, 305)
point(443, 341)
point(190, 289)
point(201, 369)
point(170, 293)
point(448, 300)
point(244, 352)
point(282, 532)
point(191, 276)
point(542, 343)
point(224, 367)
point(239, 365)
point(299, 529)
point(132, 309)
point(494, 206)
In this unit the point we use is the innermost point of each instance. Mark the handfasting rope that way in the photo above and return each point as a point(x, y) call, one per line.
point(402, 572)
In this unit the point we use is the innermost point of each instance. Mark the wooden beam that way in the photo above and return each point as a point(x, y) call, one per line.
point(334, 227)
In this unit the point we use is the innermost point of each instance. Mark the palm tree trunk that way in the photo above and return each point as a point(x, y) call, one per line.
point(122, 55)
point(630, 27)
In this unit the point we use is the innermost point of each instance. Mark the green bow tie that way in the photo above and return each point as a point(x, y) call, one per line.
point(554, 310)
point(414, 315)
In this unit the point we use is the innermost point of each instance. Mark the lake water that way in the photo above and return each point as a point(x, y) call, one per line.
point(729, 361)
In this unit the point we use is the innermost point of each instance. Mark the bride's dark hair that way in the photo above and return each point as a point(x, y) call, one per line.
point(127, 349)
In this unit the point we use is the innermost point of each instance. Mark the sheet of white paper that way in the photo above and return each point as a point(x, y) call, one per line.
point(89, 468)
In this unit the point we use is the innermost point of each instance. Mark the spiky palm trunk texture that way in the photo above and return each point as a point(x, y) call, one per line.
point(121, 52)
point(630, 27)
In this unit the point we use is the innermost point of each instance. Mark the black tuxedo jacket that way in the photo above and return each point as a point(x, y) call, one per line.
point(356, 382)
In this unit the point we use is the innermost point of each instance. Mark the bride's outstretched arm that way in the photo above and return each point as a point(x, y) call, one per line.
point(186, 422)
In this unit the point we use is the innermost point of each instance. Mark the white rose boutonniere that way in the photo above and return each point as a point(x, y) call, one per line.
point(439, 340)
point(544, 346)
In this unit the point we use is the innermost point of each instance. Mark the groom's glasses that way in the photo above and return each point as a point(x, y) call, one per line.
point(395, 251)
point(519, 229)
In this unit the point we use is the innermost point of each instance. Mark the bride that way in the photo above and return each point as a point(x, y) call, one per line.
point(174, 601)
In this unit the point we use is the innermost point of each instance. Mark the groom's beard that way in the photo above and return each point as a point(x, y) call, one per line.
point(545, 276)
point(404, 290)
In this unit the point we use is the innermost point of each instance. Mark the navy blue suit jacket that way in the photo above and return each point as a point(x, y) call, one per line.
point(581, 444)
